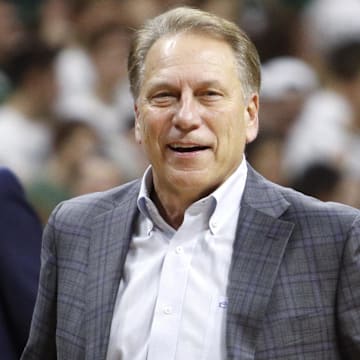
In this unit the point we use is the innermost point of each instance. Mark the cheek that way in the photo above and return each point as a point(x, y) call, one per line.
point(231, 138)
point(157, 123)
point(150, 131)
point(230, 127)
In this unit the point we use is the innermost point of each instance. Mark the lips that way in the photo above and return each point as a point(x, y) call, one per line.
point(187, 148)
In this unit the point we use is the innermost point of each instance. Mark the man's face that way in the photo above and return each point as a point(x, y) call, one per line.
point(190, 114)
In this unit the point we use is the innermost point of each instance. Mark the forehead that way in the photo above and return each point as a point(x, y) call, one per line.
point(189, 53)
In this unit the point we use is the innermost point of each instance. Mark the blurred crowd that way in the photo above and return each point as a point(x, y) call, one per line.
point(66, 114)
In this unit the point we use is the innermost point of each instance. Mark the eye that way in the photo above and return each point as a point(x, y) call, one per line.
point(211, 95)
point(163, 98)
point(163, 94)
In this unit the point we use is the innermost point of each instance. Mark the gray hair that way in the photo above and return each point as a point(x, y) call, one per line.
point(185, 19)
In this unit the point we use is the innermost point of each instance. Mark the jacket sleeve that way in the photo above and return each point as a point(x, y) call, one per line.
point(42, 339)
point(348, 296)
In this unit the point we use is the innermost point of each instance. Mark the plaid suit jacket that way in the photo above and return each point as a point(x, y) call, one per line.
point(294, 282)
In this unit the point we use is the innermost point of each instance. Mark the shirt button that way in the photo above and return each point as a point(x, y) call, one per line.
point(214, 224)
point(179, 250)
point(167, 310)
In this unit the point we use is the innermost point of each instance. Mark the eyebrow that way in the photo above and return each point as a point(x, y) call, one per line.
point(154, 85)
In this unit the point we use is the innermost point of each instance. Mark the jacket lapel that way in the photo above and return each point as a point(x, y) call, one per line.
point(111, 236)
point(259, 246)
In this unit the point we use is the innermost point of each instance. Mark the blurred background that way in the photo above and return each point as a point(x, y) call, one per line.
point(66, 114)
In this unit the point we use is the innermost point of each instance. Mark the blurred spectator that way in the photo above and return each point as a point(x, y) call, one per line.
point(73, 143)
point(319, 123)
point(25, 116)
point(286, 83)
point(328, 129)
point(265, 155)
point(107, 105)
point(91, 72)
point(54, 22)
point(11, 33)
point(20, 243)
point(11, 29)
point(272, 25)
point(328, 183)
point(324, 25)
point(319, 134)
point(319, 180)
point(343, 64)
point(97, 173)
point(76, 73)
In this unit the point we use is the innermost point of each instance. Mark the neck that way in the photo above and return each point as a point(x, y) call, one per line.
point(171, 207)
point(173, 204)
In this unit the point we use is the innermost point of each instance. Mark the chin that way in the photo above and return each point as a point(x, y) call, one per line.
point(190, 180)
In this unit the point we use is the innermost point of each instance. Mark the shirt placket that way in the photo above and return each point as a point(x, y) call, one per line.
point(172, 288)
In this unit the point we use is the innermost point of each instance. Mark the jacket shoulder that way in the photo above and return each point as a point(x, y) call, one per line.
point(303, 204)
point(313, 216)
point(84, 209)
point(287, 203)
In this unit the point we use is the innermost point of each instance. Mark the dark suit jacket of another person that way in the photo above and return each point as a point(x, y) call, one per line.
point(20, 243)
point(294, 282)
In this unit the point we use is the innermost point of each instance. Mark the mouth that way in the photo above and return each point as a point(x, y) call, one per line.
point(182, 148)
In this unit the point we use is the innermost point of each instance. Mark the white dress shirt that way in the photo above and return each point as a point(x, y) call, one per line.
point(172, 300)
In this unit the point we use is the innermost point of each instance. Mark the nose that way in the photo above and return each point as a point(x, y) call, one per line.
point(187, 116)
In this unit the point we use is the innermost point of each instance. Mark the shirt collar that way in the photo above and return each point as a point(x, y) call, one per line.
point(227, 197)
point(145, 189)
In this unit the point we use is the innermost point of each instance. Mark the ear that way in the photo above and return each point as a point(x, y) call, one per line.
point(252, 118)
point(138, 136)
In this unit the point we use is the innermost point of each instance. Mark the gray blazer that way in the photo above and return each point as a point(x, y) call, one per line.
point(294, 283)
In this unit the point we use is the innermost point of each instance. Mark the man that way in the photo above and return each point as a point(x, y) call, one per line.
point(203, 258)
point(19, 265)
